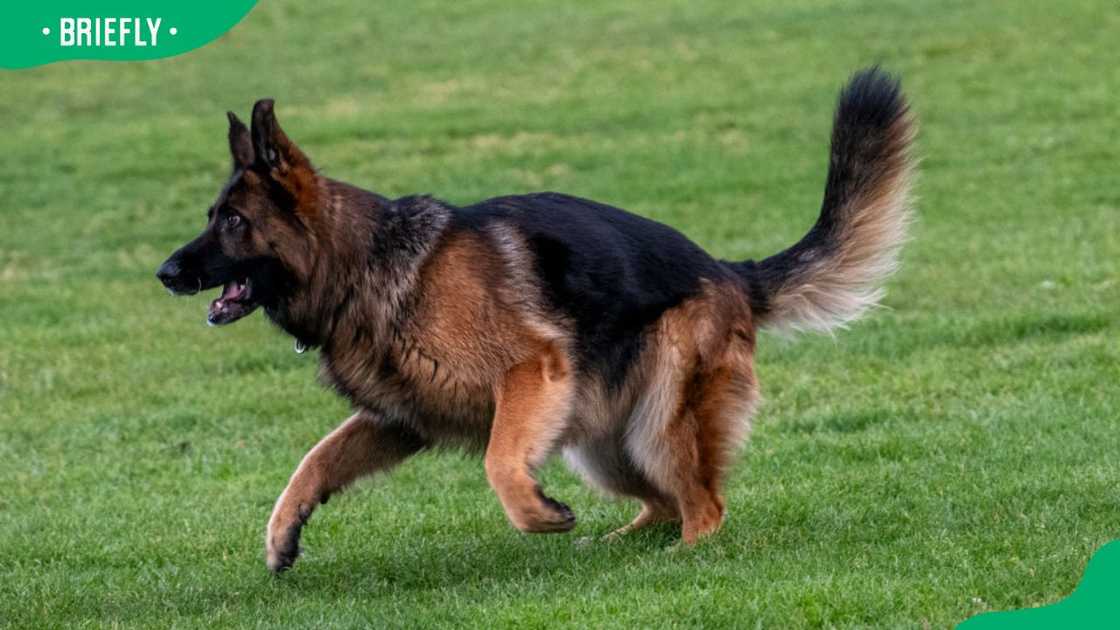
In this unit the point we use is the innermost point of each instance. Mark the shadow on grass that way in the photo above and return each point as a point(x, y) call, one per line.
point(1045, 327)
point(850, 422)
point(985, 333)
point(492, 567)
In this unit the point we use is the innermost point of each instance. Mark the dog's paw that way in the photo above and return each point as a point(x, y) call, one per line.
point(282, 539)
point(546, 517)
point(562, 516)
point(282, 549)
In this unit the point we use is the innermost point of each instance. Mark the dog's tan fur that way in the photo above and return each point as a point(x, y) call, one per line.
point(444, 332)
point(489, 367)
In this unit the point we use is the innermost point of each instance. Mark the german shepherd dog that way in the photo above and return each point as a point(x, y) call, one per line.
point(530, 325)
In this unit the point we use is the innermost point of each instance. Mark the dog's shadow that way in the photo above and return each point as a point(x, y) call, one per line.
point(449, 562)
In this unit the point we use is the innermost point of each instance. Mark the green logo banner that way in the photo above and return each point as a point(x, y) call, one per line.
point(35, 33)
point(1093, 604)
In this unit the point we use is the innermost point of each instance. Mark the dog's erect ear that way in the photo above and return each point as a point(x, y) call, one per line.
point(240, 142)
point(273, 147)
point(281, 158)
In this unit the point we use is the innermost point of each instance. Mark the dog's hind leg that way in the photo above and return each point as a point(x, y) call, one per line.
point(360, 446)
point(604, 463)
point(654, 511)
point(686, 451)
point(533, 403)
point(700, 441)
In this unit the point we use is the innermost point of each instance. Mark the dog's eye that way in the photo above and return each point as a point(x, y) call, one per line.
point(233, 221)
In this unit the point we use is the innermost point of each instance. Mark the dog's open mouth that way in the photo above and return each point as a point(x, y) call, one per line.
point(235, 302)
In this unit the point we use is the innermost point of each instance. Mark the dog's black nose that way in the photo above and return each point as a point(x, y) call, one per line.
point(168, 272)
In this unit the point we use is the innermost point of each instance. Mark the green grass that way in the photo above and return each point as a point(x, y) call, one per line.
point(954, 453)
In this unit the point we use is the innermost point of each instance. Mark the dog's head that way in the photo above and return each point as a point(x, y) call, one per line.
point(255, 243)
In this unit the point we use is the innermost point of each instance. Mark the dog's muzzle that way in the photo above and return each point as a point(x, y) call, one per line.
point(171, 275)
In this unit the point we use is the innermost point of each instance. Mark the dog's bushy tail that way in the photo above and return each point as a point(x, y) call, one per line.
point(836, 271)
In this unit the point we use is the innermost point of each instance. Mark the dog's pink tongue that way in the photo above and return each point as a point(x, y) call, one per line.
point(220, 307)
point(232, 291)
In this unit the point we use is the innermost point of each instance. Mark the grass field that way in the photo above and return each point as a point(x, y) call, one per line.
point(954, 453)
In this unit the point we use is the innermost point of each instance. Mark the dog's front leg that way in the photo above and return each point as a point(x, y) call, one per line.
point(533, 403)
point(360, 446)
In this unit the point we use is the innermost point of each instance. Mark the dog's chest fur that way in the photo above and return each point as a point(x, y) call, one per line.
point(404, 385)
point(428, 341)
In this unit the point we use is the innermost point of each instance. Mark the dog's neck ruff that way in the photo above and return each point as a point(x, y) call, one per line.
point(393, 248)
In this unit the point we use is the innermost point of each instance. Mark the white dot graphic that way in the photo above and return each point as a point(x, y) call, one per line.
point(174, 31)
point(46, 30)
